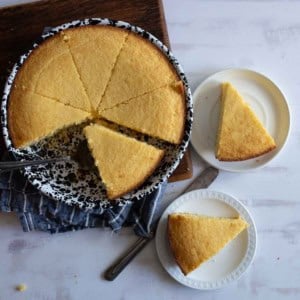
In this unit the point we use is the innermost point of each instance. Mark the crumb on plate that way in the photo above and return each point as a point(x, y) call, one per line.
point(21, 287)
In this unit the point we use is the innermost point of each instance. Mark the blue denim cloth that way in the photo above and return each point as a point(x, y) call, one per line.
point(37, 211)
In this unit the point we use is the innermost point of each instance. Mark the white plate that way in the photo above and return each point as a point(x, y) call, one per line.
point(231, 262)
point(264, 97)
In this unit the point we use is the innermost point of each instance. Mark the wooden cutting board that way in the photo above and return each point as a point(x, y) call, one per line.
point(20, 25)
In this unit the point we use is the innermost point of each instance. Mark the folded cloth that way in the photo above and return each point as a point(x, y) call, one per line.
point(37, 211)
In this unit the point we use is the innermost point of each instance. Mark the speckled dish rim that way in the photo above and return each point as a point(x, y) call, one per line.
point(141, 32)
point(164, 252)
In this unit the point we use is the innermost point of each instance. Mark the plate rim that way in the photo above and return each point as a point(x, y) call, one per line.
point(285, 102)
point(246, 260)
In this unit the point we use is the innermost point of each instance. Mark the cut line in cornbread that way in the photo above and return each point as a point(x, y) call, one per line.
point(140, 68)
point(160, 113)
point(241, 135)
point(195, 239)
point(33, 117)
point(95, 50)
point(98, 68)
point(50, 71)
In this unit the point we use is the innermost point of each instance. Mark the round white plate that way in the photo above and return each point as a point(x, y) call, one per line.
point(264, 97)
point(231, 262)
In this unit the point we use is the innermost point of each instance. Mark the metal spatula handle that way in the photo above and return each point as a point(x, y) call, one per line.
point(6, 166)
point(112, 272)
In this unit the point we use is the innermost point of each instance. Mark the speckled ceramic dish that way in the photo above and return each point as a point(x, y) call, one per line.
point(66, 181)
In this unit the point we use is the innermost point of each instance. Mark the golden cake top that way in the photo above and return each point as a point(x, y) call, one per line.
point(159, 113)
point(95, 68)
point(194, 238)
point(141, 68)
point(33, 117)
point(123, 162)
point(241, 135)
point(92, 72)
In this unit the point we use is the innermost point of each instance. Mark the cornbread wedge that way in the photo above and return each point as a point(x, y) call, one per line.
point(148, 113)
point(95, 50)
point(241, 135)
point(141, 67)
point(32, 117)
point(194, 239)
point(124, 163)
point(50, 71)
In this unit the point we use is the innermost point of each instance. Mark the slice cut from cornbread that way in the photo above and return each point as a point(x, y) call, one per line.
point(140, 68)
point(148, 113)
point(241, 135)
point(124, 163)
point(50, 71)
point(194, 238)
point(95, 50)
point(32, 117)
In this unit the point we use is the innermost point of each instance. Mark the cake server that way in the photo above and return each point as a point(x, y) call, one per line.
point(6, 166)
point(202, 181)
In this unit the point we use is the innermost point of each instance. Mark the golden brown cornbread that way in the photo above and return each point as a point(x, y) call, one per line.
point(50, 71)
point(160, 113)
point(64, 79)
point(80, 65)
point(33, 117)
point(95, 50)
point(140, 68)
point(194, 238)
point(241, 135)
point(123, 162)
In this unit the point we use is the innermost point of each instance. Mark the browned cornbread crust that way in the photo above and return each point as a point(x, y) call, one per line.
point(241, 158)
point(194, 238)
point(241, 135)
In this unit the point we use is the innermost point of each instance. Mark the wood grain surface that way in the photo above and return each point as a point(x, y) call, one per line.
point(20, 25)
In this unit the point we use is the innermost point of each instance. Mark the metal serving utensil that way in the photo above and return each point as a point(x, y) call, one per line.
point(6, 166)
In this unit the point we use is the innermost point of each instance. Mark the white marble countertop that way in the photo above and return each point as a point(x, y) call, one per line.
point(206, 36)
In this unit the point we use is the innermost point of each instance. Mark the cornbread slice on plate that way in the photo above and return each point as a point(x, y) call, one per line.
point(124, 163)
point(241, 135)
point(95, 50)
point(140, 68)
point(160, 113)
point(194, 239)
point(50, 71)
point(32, 117)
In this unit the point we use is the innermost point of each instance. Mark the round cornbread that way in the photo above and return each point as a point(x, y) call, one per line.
point(84, 73)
